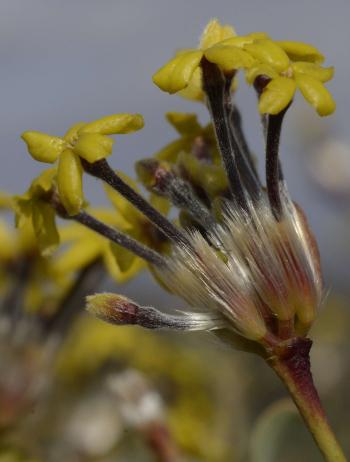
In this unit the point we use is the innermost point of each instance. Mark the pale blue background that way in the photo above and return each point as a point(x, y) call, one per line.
point(64, 61)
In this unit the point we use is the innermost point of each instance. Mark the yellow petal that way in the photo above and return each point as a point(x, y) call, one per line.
point(260, 69)
point(26, 239)
point(111, 217)
point(160, 203)
point(77, 232)
point(70, 182)
point(43, 183)
point(23, 210)
point(212, 178)
point(176, 74)
point(194, 91)
point(259, 36)
point(126, 210)
point(72, 231)
point(39, 188)
point(323, 74)
point(242, 40)
point(316, 94)
point(43, 147)
point(121, 264)
point(268, 52)
point(184, 123)
point(73, 132)
point(229, 58)
point(277, 95)
point(114, 124)
point(93, 146)
point(299, 51)
point(80, 254)
point(171, 151)
point(214, 33)
point(45, 227)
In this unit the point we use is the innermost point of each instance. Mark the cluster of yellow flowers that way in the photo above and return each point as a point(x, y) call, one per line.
point(23, 260)
point(287, 65)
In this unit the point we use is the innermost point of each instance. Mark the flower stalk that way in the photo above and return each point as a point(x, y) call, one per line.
point(237, 128)
point(273, 169)
point(214, 86)
point(242, 152)
point(157, 177)
point(120, 238)
point(102, 170)
point(112, 234)
point(292, 365)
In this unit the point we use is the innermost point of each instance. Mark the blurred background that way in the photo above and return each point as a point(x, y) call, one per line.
point(67, 61)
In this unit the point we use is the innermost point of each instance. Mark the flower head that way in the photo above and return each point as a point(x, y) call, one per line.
point(283, 67)
point(183, 71)
point(251, 269)
point(87, 141)
point(32, 210)
point(251, 274)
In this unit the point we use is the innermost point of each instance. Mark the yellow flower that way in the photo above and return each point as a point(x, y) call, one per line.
point(288, 66)
point(183, 71)
point(88, 141)
point(189, 129)
point(23, 246)
point(207, 176)
point(33, 210)
point(195, 153)
point(301, 51)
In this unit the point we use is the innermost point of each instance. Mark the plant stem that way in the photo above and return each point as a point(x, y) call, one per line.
point(273, 168)
point(293, 368)
point(114, 235)
point(161, 443)
point(102, 170)
point(214, 87)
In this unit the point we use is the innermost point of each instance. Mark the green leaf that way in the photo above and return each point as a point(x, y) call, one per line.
point(271, 426)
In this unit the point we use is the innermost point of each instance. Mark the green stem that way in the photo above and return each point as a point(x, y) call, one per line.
point(293, 368)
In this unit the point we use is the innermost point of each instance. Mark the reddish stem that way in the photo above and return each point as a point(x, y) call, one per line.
point(292, 365)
